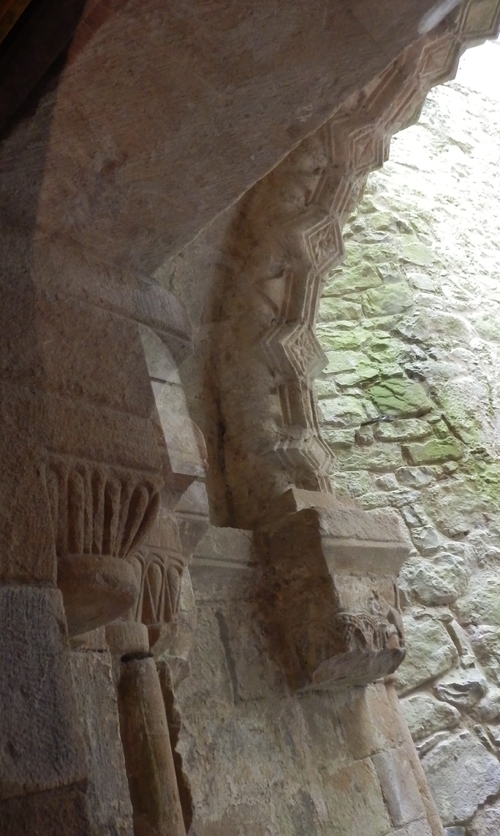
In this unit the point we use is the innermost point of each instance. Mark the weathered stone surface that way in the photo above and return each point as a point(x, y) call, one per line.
point(434, 450)
point(389, 299)
point(437, 580)
point(430, 652)
point(416, 477)
point(485, 640)
point(463, 689)
point(426, 539)
point(426, 715)
point(400, 791)
point(333, 309)
point(377, 457)
point(58, 812)
point(486, 822)
point(356, 815)
point(167, 41)
point(148, 754)
point(95, 590)
point(401, 397)
point(457, 507)
point(458, 792)
point(481, 604)
point(343, 411)
point(41, 747)
point(328, 562)
point(107, 794)
point(403, 430)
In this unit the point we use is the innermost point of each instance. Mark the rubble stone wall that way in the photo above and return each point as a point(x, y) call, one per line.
point(410, 401)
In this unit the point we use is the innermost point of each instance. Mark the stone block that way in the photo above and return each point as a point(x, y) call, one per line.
point(343, 411)
point(388, 299)
point(75, 340)
point(433, 451)
point(463, 688)
point(399, 787)
point(400, 397)
point(57, 812)
point(426, 715)
point(40, 743)
point(486, 822)
point(440, 580)
point(356, 801)
point(107, 790)
point(462, 774)
point(26, 535)
point(417, 477)
point(481, 604)
point(368, 720)
point(418, 828)
point(378, 457)
point(430, 652)
point(426, 539)
point(327, 590)
point(222, 563)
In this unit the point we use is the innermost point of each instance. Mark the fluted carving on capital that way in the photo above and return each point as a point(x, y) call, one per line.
point(99, 509)
point(100, 513)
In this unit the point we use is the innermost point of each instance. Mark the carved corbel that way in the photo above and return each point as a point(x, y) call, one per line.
point(328, 590)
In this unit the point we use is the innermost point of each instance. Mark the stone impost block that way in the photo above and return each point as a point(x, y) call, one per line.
point(328, 590)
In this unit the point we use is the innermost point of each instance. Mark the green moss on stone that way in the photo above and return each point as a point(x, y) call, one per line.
point(356, 278)
point(400, 396)
point(433, 451)
point(388, 299)
point(332, 309)
point(417, 253)
point(331, 338)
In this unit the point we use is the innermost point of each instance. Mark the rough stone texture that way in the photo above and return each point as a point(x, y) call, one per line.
point(102, 172)
point(263, 762)
point(486, 822)
point(56, 812)
point(417, 299)
point(327, 590)
point(430, 652)
point(400, 791)
point(41, 748)
point(148, 753)
point(425, 715)
point(236, 97)
point(458, 792)
point(107, 794)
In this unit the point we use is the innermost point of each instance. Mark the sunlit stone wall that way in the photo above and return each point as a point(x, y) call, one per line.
point(411, 405)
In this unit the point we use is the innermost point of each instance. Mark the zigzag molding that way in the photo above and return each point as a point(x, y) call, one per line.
point(289, 237)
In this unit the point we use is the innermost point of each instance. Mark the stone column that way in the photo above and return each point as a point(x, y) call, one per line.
point(160, 624)
point(81, 475)
point(162, 628)
point(145, 734)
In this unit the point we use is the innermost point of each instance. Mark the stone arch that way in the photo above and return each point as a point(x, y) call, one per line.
point(285, 239)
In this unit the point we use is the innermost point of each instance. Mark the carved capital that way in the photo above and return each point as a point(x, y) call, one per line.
point(100, 513)
point(328, 590)
point(165, 604)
